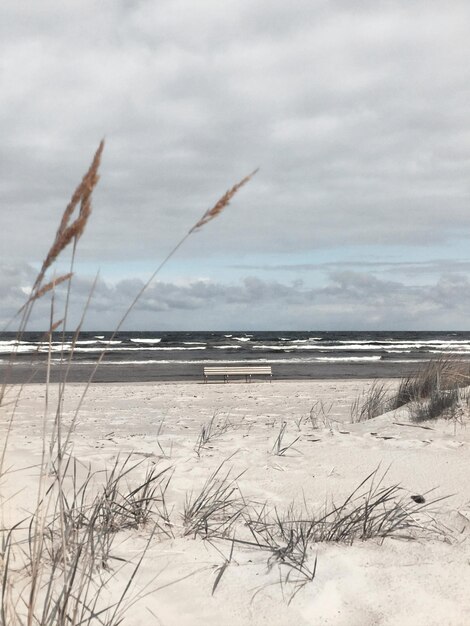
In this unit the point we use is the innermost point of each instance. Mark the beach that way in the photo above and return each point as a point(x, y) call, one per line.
point(322, 458)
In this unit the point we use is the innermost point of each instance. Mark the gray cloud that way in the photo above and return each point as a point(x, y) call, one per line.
point(357, 116)
point(354, 300)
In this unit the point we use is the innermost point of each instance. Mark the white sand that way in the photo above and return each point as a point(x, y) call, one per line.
point(399, 582)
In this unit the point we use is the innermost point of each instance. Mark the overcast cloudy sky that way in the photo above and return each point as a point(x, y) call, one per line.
point(357, 113)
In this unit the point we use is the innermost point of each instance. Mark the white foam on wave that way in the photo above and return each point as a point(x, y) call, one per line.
point(359, 347)
point(85, 342)
point(143, 340)
point(267, 361)
point(398, 351)
point(17, 349)
point(317, 347)
point(227, 347)
point(194, 362)
point(347, 359)
point(44, 348)
point(25, 347)
point(405, 343)
point(305, 340)
point(98, 349)
point(141, 349)
point(267, 348)
point(460, 351)
point(408, 361)
point(242, 338)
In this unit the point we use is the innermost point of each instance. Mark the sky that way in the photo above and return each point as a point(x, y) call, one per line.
point(356, 113)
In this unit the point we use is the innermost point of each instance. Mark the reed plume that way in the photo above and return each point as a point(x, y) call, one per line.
point(220, 205)
point(47, 287)
point(72, 231)
point(48, 334)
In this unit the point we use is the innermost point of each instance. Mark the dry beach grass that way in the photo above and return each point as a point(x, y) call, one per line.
point(243, 503)
point(68, 537)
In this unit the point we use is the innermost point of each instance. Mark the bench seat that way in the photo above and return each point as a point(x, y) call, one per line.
point(242, 370)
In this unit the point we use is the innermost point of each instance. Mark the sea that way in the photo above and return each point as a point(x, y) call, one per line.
point(171, 356)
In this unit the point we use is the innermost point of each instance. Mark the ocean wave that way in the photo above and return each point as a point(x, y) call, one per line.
point(403, 342)
point(314, 348)
point(398, 351)
point(87, 342)
point(408, 361)
point(196, 362)
point(141, 349)
point(347, 359)
point(359, 347)
point(143, 340)
point(81, 342)
point(17, 350)
point(306, 340)
point(44, 349)
point(288, 348)
point(13, 342)
point(461, 352)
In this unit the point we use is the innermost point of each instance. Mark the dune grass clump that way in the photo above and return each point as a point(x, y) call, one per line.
point(371, 511)
point(436, 389)
point(216, 508)
point(319, 415)
point(441, 403)
point(211, 430)
point(115, 504)
point(443, 374)
point(56, 563)
point(371, 403)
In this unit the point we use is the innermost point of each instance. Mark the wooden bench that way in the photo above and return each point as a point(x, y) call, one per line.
point(243, 370)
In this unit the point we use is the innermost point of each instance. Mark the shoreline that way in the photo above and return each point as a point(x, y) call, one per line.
point(80, 373)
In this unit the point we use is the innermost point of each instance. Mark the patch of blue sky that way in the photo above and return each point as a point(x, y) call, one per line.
point(403, 262)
